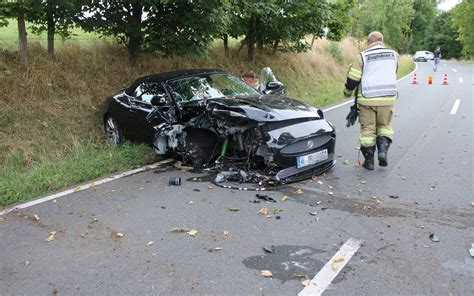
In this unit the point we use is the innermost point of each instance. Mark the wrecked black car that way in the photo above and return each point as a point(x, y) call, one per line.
point(210, 118)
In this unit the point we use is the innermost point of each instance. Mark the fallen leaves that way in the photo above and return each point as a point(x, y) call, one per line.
point(335, 265)
point(77, 189)
point(277, 210)
point(306, 283)
point(375, 199)
point(192, 232)
point(299, 191)
point(266, 273)
point(284, 198)
point(36, 217)
point(150, 243)
point(51, 236)
point(118, 234)
point(179, 230)
point(345, 162)
point(209, 186)
point(226, 232)
point(263, 211)
point(357, 163)
point(216, 249)
point(233, 209)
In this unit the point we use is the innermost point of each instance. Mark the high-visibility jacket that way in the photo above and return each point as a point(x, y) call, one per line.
point(373, 74)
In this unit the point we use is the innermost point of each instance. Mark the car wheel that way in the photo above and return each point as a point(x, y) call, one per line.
point(112, 131)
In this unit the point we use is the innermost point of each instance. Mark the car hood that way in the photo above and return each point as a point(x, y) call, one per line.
point(267, 108)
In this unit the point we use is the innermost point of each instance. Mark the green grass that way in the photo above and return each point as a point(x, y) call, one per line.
point(9, 36)
point(406, 65)
point(84, 162)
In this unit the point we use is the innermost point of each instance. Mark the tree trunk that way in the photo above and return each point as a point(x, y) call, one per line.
point(51, 30)
point(312, 40)
point(251, 39)
point(226, 45)
point(22, 38)
point(242, 44)
point(275, 46)
point(135, 37)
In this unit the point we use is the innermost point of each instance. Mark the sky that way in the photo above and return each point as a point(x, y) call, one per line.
point(447, 4)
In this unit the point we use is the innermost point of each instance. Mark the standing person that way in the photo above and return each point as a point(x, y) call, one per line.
point(373, 77)
point(437, 57)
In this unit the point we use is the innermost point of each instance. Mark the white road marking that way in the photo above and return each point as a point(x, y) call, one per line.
point(455, 107)
point(454, 70)
point(86, 186)
point(332, 268)
point(352, 100)
point(460, 80)
point(128, 173)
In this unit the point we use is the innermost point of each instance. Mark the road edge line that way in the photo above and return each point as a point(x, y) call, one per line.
point(351, 100)
point(328, 273)
point(85, 186)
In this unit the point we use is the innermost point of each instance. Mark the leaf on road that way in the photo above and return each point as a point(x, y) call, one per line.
point(284, 198)
point(233, 209)
point(150, 243)
point(192, 232)
point(334, 266)
point(27, 263)
point(226, 232)
point(77, 189)
point(357, 163)
point(339, 259)
point(306, 283)
point(2, 219)
point(300, 275)
point(36, 217)
point(209, 186)
point(266, 273)
point(118, 234)
point(263, 211)
point(299, 191)
point(179, 229)
point(345, 162)
point(210, 250)
point(277, 210)
point(376, 199)
point(51, 236)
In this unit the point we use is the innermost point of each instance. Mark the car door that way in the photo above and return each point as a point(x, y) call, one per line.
point(141, 106)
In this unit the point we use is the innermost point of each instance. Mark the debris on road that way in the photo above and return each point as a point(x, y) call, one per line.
point(265, 198)
point(376, 199)
point(278, 217)
point(363, 182)
point(192, 232)
point(471, 250)
point(263, 211)
point(472, 204)
point(393, 196)
point(277, 210)
point(150, 243)
point(36, 217)
point(345, 162)
point(174, 181)
point(331, 193)
point(269, 249)
point(313, 213)
point(306, 283)
point(209, 186)
point(357, 163)
point(210, 250)
point(300, 275)
point(77, 189)
point(226, 232)
point(335, 265)
point(299, 191)
point(27, 263)
point(179, 230)
point(434, 238)
point(118, 234)
point(2, 219)
point(51, 236)
point(284, 198)
point(234, 209)
point(266, 273)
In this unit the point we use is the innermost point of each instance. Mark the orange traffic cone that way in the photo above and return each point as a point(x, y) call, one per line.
point(430, 79)
point(445, 80)
point(414, 79)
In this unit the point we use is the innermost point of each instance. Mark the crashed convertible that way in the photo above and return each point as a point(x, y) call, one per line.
point(210, 118)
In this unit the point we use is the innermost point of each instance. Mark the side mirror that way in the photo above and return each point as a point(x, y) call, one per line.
point(274, 85)
point(158, 101)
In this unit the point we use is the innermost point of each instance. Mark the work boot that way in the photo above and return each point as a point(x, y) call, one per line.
point(383, 143)
point(368, 153)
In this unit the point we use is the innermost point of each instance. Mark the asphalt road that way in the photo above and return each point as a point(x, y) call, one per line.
point(426, 189)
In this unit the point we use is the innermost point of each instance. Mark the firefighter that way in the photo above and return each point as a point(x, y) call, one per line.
point(373, 77)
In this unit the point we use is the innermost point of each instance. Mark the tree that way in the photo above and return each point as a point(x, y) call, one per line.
point(55, 17)
point(339, 18)
point(124, 20)
point(19, 9)
point(3, 13)
point(424, 14)
point(463, 21)
point(443, 34)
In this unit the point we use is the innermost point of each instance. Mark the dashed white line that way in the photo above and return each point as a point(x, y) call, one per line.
point(455, 107)
point(460, 80)
point(454, 70)
point(86, 186)
point(332, 268)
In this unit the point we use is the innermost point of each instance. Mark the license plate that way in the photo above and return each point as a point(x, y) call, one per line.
point(313, 158)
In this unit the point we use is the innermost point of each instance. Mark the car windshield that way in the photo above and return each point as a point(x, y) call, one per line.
point(209, 86)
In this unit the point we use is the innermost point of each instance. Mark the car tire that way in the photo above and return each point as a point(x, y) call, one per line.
point(112, 131)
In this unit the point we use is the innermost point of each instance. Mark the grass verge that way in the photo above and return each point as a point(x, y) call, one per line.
point(83, 162)
point(406, 65)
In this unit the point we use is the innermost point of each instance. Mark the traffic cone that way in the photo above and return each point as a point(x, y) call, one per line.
point(414, 79)
point(445, 79)
point(430, 79)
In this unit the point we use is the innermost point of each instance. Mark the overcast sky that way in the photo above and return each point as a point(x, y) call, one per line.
point(447, 4)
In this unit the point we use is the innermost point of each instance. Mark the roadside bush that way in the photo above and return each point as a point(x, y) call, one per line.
point(334, 48)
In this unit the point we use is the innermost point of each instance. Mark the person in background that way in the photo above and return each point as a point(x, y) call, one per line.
point(373, 77)
point(437, 57)
point(250, 78)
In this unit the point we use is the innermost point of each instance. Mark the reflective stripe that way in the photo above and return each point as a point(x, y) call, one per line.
point(379, 87)
point(355, 70)
point(367, 141)
point(359, 98)
point(380, 93)
point(355, 73)
point(356, 76)
point(385, 132)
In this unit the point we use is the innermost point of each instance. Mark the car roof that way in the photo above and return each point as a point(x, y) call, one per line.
point(160, 77)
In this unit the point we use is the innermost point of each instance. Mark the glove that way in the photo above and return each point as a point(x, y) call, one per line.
point(352, 116)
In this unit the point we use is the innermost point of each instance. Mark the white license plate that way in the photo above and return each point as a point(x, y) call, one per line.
point(313, 158)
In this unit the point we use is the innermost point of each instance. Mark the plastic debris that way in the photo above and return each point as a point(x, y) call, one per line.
point(434, 238)
point(306, 283)
point(192, 232)
point(174, 181)
point(266, 273)
point(269, 249)
point(51, 236)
